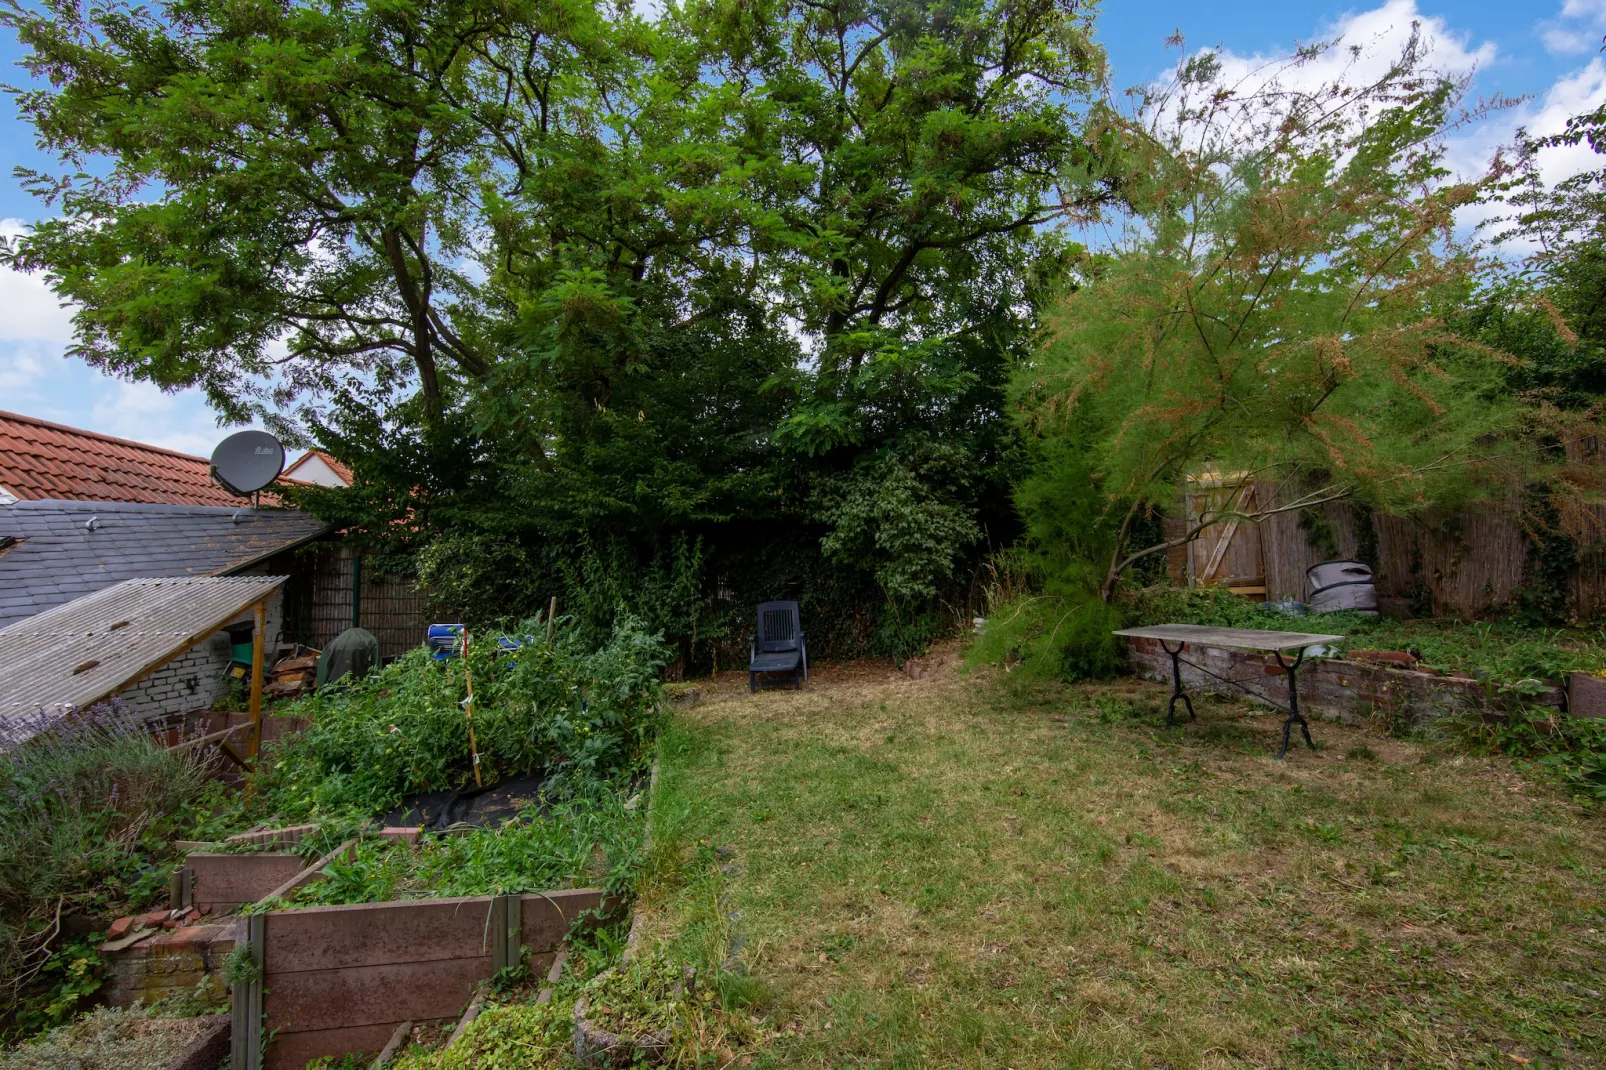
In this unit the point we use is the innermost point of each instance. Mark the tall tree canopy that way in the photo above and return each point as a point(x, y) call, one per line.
point(581, 286)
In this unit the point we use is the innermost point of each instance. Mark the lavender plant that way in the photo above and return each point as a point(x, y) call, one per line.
point(87, 800)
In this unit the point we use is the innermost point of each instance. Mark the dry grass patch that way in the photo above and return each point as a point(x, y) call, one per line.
point(950, 872)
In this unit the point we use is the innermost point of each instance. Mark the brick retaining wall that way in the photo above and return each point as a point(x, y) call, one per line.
point(1347, 691)
point(169, 964)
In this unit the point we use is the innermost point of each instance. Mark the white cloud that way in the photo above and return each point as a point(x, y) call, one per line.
point(1367, 42)
point(32, 313)
point(35, 379)
point(1361, 48)
point(1470, 153)
point(1355, 50)
point(1576, 28)
point(145, 413)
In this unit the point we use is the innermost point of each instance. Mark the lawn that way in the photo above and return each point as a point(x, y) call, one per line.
point(957, 872)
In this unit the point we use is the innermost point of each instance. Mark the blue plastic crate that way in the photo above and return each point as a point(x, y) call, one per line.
point(444, 640)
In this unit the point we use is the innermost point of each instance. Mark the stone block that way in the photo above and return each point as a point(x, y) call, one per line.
point(1586, 695)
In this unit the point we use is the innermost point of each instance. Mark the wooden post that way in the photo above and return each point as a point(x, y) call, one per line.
point(258, 654)
point(551, 615)
point(246, 1002)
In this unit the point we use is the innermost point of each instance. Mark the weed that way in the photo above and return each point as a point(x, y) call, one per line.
point(107, 1038)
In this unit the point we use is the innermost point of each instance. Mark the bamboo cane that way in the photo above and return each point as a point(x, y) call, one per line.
point(468, 711)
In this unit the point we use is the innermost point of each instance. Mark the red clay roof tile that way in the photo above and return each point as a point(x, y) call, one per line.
point(40, 460)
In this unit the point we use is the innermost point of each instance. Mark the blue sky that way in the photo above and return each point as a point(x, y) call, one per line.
point(1545, 51)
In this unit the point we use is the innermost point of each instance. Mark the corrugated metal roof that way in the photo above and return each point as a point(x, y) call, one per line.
point(92, 648)
point(59, 555)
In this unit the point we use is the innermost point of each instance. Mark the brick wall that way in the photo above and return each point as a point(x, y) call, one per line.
point(194, 680)
point(1347, 691)
point(170, 964)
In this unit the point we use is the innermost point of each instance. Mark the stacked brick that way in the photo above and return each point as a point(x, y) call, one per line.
point(171, 963)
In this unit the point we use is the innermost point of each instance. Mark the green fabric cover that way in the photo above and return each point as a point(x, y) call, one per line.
point(354, 650)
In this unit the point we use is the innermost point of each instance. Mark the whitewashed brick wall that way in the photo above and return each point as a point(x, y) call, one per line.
point(194, 680)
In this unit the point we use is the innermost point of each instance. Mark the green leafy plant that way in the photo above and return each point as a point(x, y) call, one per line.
point(583, 835)
point(405, 728)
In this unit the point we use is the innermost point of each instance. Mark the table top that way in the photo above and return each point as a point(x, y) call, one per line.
point(1242, 638)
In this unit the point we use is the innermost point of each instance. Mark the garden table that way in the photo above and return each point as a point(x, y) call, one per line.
point(1238, 639)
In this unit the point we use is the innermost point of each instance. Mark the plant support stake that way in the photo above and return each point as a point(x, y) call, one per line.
point(468, 712)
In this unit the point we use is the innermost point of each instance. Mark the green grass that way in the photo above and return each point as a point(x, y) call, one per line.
point(958, 873)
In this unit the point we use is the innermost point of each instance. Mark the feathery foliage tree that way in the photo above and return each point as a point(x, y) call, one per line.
point(1280, 314)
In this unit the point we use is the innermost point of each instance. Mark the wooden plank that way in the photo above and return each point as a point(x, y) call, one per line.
point(414, 930)
point(498, 932)
point(545, 918)
point(287, 834)
point(313, 872)
point(210, 737)
point(1240, 638)
point(207, 1051)
point(553, 976)
point(392, 1046)
point(258, 654)
point(334, 999)
point(293, 1051)
point(473, 1012)
point(376, 934)
point(245, 1028)
point(224, 881)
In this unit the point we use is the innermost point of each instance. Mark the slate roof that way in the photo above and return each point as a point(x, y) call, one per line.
point(40, 460)
point(76, 654)
point(55, 558)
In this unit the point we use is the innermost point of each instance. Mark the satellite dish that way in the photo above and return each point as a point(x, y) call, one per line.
point(247, 461)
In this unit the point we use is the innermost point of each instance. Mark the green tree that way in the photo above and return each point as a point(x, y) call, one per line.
point(1279, 314)
point(561, 281)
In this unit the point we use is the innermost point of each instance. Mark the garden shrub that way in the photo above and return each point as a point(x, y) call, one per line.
point(88, 805)
point(1051, 624)
point(403, 729)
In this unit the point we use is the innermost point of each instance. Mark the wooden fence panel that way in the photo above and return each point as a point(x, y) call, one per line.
point(1460, 565)
point(224, 881)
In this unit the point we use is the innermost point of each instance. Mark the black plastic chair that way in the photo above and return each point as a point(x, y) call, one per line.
point(778, 644)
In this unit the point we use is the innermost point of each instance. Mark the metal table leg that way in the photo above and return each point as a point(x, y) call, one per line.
point(1176, 684)
point(1294, 716)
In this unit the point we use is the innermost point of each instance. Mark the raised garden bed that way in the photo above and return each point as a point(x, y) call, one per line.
point(338, 980)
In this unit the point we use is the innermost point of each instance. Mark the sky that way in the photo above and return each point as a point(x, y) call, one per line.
point(1546, 52)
